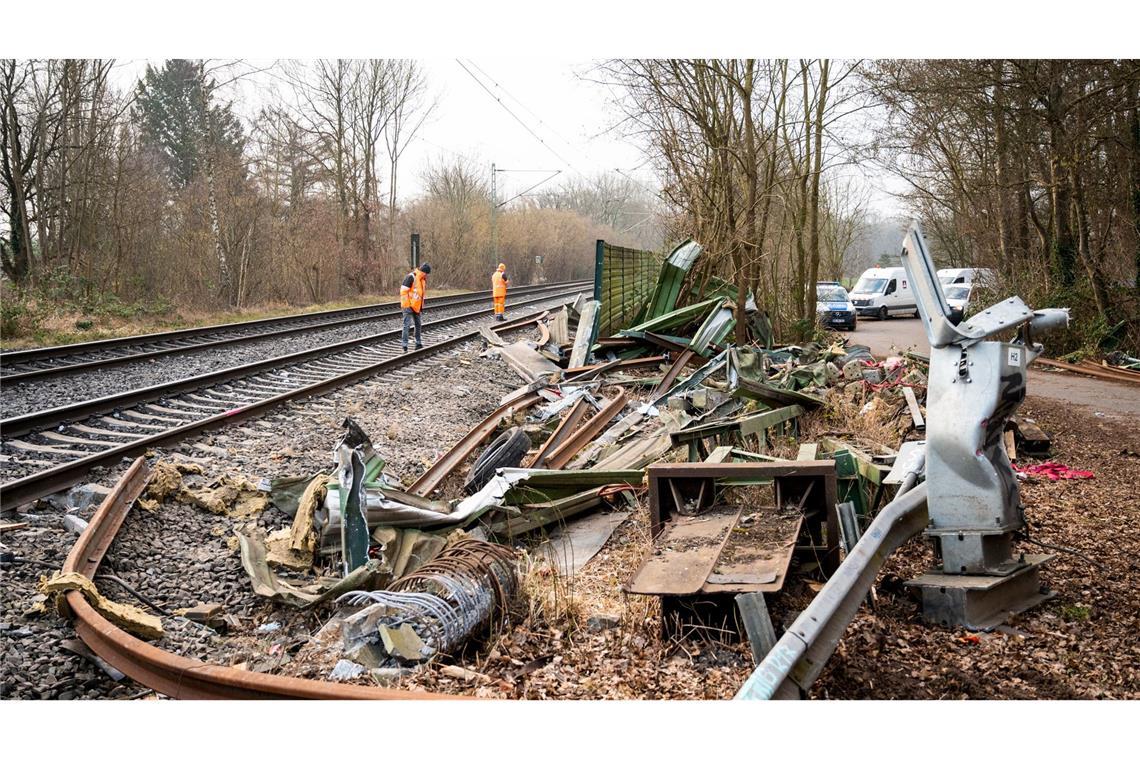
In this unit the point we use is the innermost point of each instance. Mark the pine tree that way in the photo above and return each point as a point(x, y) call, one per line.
point(177, 113)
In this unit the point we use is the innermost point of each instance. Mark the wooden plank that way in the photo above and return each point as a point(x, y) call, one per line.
point(685, 552)
point(6, 527)
point(1031, 438)
point(1010, 445)
point(720, 455)
point(915, 411)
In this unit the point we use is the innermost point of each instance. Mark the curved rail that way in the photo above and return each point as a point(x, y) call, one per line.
point(170, 674)
point(195, 339)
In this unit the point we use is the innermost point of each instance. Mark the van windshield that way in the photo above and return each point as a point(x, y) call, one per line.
point(870, 285)
point(946, 279)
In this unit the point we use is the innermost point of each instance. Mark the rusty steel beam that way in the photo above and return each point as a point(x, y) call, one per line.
point(565, 428)
point(592, 370)
point(562, 455)
point(458, 454)
point(170, 674)
point(1094, 370)
point(672, 374)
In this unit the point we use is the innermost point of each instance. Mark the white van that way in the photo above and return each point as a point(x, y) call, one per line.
point(883, 291)
point(966, 276)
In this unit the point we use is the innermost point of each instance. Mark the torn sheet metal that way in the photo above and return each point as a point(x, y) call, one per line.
point(528, 363)
point(571, 546)
point(266, 583)
point(716, 327)
point(687, 315)
point(695, 379)
point(672, 277)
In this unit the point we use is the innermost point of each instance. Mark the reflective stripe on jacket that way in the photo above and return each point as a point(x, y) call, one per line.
point(498, 285)
point(413, 290)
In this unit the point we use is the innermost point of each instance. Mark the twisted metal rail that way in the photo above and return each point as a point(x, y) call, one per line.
point(170, 674)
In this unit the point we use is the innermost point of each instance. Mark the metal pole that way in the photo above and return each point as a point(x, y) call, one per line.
point(494, 207)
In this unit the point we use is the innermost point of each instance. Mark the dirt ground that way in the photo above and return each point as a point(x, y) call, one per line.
point(586, 638)
point(1082, 644)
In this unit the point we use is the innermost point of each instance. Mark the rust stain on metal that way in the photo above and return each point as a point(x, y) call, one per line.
point(559, 457)
point(170, 674)
point(672, 374)
point(467, 445)
point(565, 428)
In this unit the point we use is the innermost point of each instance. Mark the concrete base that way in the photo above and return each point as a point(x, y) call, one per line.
point(981, 602)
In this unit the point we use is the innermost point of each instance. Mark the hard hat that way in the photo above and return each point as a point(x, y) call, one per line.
point(425, 268)
point(502, 267)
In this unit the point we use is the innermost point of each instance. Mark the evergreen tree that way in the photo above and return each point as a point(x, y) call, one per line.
point(177, 113)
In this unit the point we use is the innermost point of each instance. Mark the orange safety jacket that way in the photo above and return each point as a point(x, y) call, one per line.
point(413, 290)
point(498, 285)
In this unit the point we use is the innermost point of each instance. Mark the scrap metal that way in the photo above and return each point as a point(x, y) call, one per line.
point(175, 676)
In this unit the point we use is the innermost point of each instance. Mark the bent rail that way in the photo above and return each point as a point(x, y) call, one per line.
point(798, 657)
point(170, 674)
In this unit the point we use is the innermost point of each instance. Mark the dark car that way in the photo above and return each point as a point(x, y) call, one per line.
point(833, 307)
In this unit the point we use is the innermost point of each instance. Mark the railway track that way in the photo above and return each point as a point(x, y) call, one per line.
point(170, 674)
point(56, 361)
point(44, 452)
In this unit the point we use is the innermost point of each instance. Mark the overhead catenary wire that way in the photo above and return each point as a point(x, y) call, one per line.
point(515, 116)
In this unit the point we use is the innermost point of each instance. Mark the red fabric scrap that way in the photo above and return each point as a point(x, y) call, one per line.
point(1054, 471)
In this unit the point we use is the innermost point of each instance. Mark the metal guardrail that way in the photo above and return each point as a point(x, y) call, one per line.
point(799, 656)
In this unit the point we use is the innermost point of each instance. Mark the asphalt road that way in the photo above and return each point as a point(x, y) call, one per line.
point(1104, 398)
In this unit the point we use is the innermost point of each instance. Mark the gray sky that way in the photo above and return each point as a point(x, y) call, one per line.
point(527, 114)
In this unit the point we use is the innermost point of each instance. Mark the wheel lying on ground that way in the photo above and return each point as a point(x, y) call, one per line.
point(507, 450)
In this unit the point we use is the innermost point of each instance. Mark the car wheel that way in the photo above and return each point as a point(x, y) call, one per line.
point(883, 313)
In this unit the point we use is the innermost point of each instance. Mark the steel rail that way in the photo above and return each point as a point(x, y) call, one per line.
point(45, 418)
point(45, 482)
point(301, 323)
point(167, 673)
point(1094, 370)
point(458, 453)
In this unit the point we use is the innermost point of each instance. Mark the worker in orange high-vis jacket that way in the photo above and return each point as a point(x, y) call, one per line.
point(412, 293)
point(499, 282)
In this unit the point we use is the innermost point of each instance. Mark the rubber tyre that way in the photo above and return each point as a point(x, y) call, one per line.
point(507, 450)
point(883, 313)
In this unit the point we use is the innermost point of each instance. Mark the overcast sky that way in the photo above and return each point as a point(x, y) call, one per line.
point(521, 114)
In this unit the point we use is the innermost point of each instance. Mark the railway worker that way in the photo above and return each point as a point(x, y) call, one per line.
point(412, 293)
point(499, 282)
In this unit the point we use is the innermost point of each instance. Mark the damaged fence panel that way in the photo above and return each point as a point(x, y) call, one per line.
point(584, 337)
point(672, 278)
point(624, 280)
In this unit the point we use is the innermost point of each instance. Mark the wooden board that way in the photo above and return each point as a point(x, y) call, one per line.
point(685, 552)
